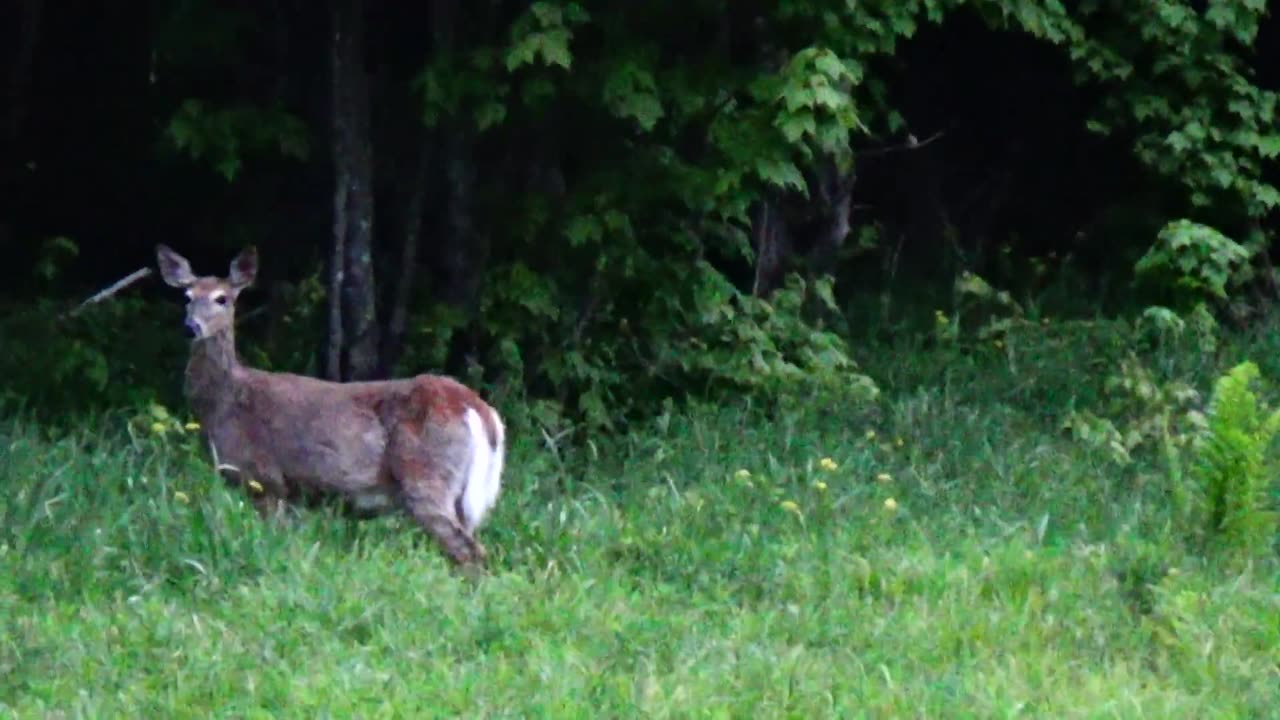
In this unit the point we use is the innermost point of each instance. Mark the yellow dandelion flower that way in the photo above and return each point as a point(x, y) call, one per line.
point(820, 486)
point(157, 428)
point(742, 474)
point(255, 486)
point(828, 464)
point(890, 504)
point(192, 426)
point(884, 477)
point(790, 506)
point(871, 435)
point(999, 343)
point(899, 441)
point(181, 497)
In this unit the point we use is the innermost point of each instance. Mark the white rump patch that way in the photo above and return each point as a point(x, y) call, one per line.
point(484, 473)
point(498, 455)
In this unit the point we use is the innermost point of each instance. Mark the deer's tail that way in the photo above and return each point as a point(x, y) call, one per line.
point(484, 474)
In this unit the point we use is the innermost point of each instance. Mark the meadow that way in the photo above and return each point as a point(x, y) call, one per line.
point(946, 551)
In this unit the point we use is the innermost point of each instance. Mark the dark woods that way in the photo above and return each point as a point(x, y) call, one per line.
point(599, 207)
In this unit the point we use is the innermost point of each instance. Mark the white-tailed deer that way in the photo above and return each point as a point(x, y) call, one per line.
point(428, 444)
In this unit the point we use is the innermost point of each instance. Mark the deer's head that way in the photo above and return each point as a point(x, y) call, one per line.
point(211, 301)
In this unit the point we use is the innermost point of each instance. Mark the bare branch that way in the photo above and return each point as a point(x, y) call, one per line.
point(105, 293)
point(911, 144)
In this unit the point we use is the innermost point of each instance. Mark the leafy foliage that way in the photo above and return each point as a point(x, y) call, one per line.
point(623, 153)
point(1235, 470)
point(1166, 415)
point(1202, 118)
point(1197, 259)
point(57, 365)
point(224, 136)
point(1218, 460)
point(766, 128)
point(543, 33)
point(709, 336)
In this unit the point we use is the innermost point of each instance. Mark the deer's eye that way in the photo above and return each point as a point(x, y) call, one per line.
point(220, 299)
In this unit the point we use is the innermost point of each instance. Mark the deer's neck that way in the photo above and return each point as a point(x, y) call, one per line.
point(211, 373)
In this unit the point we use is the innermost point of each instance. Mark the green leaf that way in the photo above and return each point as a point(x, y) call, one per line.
point(228, 167)
point(829, 64)
point(1269, 146)
point(895, 122)
point(555, 48)
point(584, 229)
point(828, 97)
point(781, 173)
point(547, 13)
point(631, 92)
point(521, 53)
point(796, 126)
point(490, 114)
point(797, 97)
point(1095, 126)
point(824, 289)
point(1267, 196)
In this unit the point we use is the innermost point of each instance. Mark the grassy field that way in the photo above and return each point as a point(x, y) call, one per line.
point(946, 553)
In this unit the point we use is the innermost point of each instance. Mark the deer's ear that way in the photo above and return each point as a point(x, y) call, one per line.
point(244, 268)
point(174, 268)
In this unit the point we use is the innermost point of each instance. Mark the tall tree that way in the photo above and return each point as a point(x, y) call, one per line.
point(461, 244)
point(352, 346)
point(27, 29)
point(24, 32)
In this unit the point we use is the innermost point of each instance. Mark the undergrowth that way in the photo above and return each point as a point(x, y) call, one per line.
point(947, 550)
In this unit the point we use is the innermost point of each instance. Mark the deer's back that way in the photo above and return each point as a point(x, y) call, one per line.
point(336, 435)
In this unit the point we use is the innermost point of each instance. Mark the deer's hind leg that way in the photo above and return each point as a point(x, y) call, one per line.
point(431, 477)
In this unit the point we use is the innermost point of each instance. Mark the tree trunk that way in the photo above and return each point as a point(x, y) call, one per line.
point(29, 14)
point(351, 273)
point(331, 365)
point(462, 249)
point(13, 104)
point(456, 245)
point(769, 236)
point(398, 320)
point(833, 188)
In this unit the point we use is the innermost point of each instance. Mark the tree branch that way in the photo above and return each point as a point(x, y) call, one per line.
point(911, 144)
point(110, 290)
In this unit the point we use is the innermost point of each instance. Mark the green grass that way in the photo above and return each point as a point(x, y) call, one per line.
point(1020, 575)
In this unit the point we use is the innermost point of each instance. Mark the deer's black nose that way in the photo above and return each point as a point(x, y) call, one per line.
point(192, 329)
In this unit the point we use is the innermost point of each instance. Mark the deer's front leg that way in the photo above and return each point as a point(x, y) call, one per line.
point(268, 494)
point(270, 507)
point(268, 498)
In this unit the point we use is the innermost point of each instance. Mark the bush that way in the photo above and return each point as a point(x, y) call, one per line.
point(1233, 469)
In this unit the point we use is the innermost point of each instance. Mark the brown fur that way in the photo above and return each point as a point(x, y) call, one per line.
point(403, 443)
